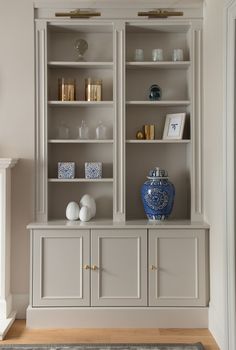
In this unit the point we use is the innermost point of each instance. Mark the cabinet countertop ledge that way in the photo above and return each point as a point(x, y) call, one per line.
point(107, 224)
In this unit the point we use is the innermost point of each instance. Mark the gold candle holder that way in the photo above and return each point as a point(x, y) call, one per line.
point(66, 89)
point(151, 132)
point(146, 131)
point(93, 90)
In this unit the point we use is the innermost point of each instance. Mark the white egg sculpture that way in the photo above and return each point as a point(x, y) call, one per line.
point(89, 202)
point(72, 211)
point(85, 214)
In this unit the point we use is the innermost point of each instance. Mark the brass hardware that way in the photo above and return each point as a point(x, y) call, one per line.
point(153, 267)
point(94, 268)
point(78, 14)
point(86, 267)
point(160, 13)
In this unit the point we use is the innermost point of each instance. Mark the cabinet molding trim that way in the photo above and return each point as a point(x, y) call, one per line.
point(41, 122)
point(229, 173)
point(197, 191)
point(110, 317)
point(119, 122)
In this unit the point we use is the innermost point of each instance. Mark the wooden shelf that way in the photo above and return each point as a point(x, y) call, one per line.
point(81, 103)
point(74, 64)
point(158, 65)
point(158, 141)
point(80, 180)
point(79, 141)
point(159, 103)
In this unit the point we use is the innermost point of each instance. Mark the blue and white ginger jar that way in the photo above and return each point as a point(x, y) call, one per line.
point(158, 195)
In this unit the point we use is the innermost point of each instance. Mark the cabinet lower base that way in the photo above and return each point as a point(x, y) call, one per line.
point(117, 317)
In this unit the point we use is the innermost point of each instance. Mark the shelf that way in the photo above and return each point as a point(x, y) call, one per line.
point(80, 180)
point(81, 103)
point(79, 141)
point(159, 65)
point(74, 64)
point(158, 141)
point(108, 223)
point(76, 26)
point(158, 103)
point(154, 27)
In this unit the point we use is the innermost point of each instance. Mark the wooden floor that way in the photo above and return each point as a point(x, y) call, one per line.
point(19, 334)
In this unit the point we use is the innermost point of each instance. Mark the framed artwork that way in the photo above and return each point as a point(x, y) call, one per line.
point(174, 126)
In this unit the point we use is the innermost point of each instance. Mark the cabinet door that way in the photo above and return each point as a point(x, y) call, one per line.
point(177, 268)
point(119, 259)
point(59, 276)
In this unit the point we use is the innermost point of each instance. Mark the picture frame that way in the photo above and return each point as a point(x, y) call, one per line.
point(174, 126)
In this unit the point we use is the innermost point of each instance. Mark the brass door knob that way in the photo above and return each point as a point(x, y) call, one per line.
point(153, 267)
point(86, 267)
point(94, 267)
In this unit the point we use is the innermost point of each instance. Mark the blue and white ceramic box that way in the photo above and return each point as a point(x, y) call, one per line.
point(66, 170)
point(93, 170)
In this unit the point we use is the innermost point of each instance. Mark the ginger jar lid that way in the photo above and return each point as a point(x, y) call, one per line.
point(157, 173)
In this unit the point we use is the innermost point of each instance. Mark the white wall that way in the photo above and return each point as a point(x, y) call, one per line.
point(213, 164)
point(17, 126)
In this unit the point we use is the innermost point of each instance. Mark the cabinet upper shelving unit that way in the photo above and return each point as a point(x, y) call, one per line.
point(125, 108)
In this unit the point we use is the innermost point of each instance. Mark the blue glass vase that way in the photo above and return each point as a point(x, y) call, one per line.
point(158, 195)
point(154, 92)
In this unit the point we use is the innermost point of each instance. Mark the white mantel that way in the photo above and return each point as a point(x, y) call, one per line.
point(7, 316)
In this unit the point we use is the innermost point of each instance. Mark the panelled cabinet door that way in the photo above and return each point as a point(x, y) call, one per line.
point(119, 267)
point(177, 268)
point(60, 277)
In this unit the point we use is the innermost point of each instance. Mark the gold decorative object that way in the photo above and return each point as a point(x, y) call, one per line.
point(93, 90)
point(149, 131)
point(139, 135)
point(146, 130)
point(66, 89)
point(160, 13)
point(78, 14)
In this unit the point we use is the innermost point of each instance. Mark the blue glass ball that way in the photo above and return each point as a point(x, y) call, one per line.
point(154, 92)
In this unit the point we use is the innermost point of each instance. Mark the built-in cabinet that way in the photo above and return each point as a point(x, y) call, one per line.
point(85, 274)
point(68, 271)
point(59, 270)
point(117, 267)
point(178, 270)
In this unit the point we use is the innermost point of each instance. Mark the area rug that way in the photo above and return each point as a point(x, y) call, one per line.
point(197, 346)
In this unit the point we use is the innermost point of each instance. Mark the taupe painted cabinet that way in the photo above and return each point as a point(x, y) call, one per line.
point(59, 277)
point(121, 276)
point(118, 270)
point(177, 274)
point(113, 269)
point(63, 269)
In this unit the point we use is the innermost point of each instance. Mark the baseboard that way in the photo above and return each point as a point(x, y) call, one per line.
point(20, 304)
point(216, 329)
point(5, 306)
point(5, 324)
point(143, 317)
